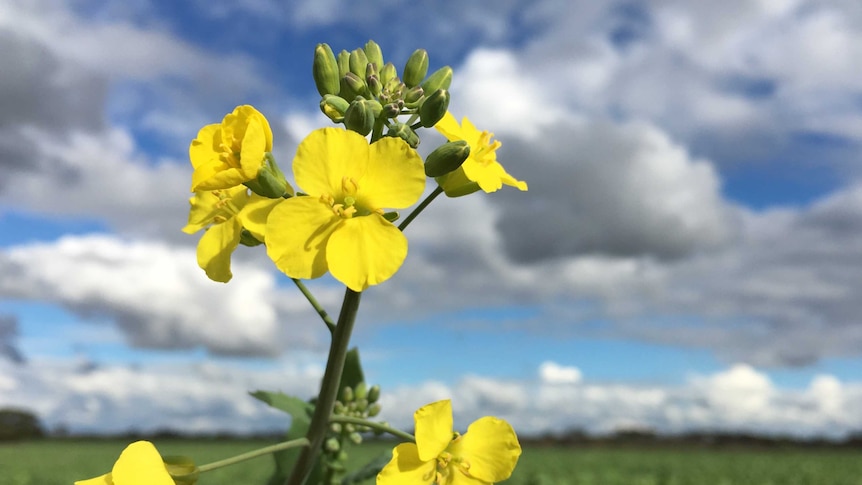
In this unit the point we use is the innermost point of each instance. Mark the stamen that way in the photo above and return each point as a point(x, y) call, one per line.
point(349, 185)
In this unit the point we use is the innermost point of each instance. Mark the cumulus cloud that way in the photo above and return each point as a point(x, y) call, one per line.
point(158, 296)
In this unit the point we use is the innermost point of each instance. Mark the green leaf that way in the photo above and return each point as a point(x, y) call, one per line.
point(369, 470)
point(352, 374)
point(292, 405)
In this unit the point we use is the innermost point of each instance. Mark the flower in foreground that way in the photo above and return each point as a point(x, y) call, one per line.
point(481, 167)
point(225, 213)
point(486, 453)
point(340, 226)
point(139, 464)
point(232, 152)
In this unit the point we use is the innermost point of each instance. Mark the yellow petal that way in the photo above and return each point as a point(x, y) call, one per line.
point(470, 133)
point(394, 177)
point(491, 447)
point(215, 249)
point(103, 480)
point(253, 148)
point(433, 429)
point(297, 231)
point(205, 147)
point(449, 128)
point(254, 214)
point(365, 251)
point(205, 206)
point(326, 156)
point(405, 468)
point(141, 464)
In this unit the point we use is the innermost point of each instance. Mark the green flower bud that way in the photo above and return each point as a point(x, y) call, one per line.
point(413, 96)
point(416, 68)
point(361, 405)
point(392, 110)
point(440, 79)
point(359, 116)
point(358, 61)
point(391, 216)
point(270, 181)
point(446, 158)
point(434, 108)
point(343, 63)
point(352, 86)
point(355, 437)
point(247, 239)
point(374, 393)
point(332, 445)
point(334, 107)
point(371, 79)
point(335, 427)
point(375, 106)
point(325, 70)
point(361, 390)
point(404, 132)
point(387, 73)
point(350, 428)
point(182, 469)
point(456, 183)
point(339, 406)
point(374, 409)
point(346, 394)
point(374, 54)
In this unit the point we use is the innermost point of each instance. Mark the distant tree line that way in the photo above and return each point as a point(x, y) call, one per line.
point(19, 424)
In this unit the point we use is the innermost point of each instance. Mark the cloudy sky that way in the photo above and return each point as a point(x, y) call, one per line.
point(688, 256)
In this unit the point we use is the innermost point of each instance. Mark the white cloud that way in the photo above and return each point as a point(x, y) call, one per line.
point(553, 373)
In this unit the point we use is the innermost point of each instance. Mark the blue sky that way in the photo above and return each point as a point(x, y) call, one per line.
point(686, 257)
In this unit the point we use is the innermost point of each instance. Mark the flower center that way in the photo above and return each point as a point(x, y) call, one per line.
point(486, 148)
point(446, 464)
point(346, 205)
point(225, 206)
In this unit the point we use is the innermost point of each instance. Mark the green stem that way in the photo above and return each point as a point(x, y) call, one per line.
point(373, 425)
point(328, 388)
point(254, 454)
point(311, 299)
point(421, 207)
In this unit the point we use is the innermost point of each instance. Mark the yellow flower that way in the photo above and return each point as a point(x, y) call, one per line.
point(225, 212)
point(486, 453)
point(481, 167)
point(139, 464)
point(340, 227)
point(231, 153)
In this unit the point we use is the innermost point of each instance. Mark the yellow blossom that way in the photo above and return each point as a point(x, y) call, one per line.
point(230, 153)
point(487, 453)
point(340, 226)
point(139, 464)
point(225, 213)
point(481, 167)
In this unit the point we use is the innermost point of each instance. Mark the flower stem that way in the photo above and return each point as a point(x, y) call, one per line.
point(311, 299)
point(420, 207)
point(373, 425)
point(254, 454)
point(328, 388)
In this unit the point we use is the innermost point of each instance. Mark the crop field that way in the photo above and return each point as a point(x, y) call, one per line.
point(63, 462)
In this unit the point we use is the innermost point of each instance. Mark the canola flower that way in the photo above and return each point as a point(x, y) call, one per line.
point(139, 464)
point(232, 152)
point(487, 453)
point(481, 170)
point(225, 212)
point(339, 227)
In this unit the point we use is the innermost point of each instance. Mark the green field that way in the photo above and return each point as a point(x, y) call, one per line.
point(62, 462)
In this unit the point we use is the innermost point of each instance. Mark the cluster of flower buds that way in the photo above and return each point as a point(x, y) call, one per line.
point(365, 94)
point(359, 402)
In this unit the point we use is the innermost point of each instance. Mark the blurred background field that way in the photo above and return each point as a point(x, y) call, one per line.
point(60, 462)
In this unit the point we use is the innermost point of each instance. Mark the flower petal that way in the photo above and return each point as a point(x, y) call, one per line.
point(253, 148)
point(297, 231)
point(103, 480)
point(365, 251)
point(254, 214)
point(326, 156)
point(448, 127)
point(215, 249)
point(205, 206)
point(406, 468)
point(491, 447)
point(394, 178)
point(433, 428)
point(141, 464)
point(204, 148)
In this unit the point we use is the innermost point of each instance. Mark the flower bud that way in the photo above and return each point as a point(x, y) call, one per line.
point(387, 73)
point(404, 132)
point(371, 79)
point(434, 108)
point(335, 427)
point(359, 116)
point(346, 394)
point(446, 158)
point(456, 183)
point(391, 216)
point(416, 68)
point(343, 63)
point(374, 409)
point(182, 469)
point(334, 107)
point(358, 61)
point(392, 110)
point(440, 79)
point(355, 437)
point(361, 405)
point(352, 86)
point(325, 70)
point(332, 445)
point(413, 96)
point(270, 181)
point(246, 238)
point(374, 54)
point(361, 391)
point(374, 392)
